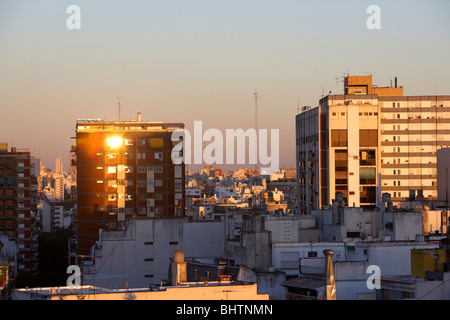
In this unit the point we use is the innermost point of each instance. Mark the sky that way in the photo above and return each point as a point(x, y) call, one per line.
point(202, 60)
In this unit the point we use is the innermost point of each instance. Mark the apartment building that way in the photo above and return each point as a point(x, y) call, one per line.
point(124, 169)
point(368, 141)
point(17, 198)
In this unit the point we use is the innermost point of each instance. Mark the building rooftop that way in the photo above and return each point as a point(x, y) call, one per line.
point(126, 125)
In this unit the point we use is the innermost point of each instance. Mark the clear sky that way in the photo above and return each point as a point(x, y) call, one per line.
point(187, 60)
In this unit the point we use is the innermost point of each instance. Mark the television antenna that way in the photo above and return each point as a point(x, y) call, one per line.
point(119, 106)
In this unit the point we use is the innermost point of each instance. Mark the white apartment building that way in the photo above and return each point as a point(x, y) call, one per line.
point(140, 255)
point(368, 141)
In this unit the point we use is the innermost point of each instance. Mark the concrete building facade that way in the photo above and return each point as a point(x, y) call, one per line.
point(16, 203)
point(368, 141)
point(140, 255)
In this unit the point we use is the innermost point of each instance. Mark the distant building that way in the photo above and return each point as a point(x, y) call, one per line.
point(124, 169)
point(58, 190)
point(59, 165)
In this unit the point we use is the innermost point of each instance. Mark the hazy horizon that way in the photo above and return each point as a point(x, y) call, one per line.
point(182, 61)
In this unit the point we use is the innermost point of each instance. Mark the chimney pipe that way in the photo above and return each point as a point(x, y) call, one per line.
point(396, 82)
point(179, 268)
point(329, 275)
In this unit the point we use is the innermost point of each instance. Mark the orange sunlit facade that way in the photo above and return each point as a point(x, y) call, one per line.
point(124, 169)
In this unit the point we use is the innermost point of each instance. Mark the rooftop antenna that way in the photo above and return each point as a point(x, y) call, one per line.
point(119, 106)
point(34, 149)
point(255, 94)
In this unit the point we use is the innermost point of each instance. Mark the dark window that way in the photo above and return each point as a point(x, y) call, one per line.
point(338, 138)
point(368, 195)
point(367, 158)
point(368, 138)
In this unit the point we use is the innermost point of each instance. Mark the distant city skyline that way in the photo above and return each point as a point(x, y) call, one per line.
point(183, 61)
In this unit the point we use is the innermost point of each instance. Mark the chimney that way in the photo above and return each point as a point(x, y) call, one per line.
point(139, 117)
point(179, 268)
point(329, 275)
point(396, 82)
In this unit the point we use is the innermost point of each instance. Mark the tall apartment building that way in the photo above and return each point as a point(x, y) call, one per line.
point(368, 141)
point(124, 169)
point(58, 190)
point(17, 199)
point(58, 165)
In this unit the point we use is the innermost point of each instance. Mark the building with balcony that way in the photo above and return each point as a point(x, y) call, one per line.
point(368, 141)
point(125, 169)
point(17, 199)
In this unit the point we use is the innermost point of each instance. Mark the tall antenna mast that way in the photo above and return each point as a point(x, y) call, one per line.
point(119, 106)
point(256, 109)
point(34, 149)
point(256, 123)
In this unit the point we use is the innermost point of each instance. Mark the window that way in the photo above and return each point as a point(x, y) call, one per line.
point(129, 156)
point(112, 183)
point(142, 183)
point(368, 138)
point(338, 138)
point(148, 243)
point(112, 170)
point(142, 210)
point(129, 170)
point(156, 143)
point(141, 169)
point(367, 175)
point(141, 155)
point(367, 157)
